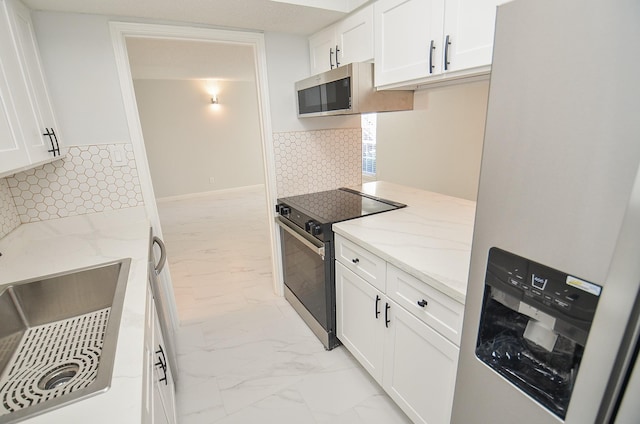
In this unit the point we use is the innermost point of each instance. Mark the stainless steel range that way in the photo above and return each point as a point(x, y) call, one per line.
point(308, 251)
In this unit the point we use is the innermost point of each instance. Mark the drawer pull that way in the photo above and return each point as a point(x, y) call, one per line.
point(377, 310)
point(422, 303)
point(355, 261)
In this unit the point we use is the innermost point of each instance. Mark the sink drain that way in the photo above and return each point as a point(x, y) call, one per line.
point(58, 376)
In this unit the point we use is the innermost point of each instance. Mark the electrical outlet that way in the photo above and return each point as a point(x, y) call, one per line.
point(118, 155)
point(212, 180)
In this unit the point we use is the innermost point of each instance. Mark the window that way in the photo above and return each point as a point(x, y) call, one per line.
point(368, 121)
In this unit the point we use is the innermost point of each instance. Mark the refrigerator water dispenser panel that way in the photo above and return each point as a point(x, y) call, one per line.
point(534, 325)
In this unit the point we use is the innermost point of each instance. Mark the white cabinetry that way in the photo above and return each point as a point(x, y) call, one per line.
point(159, 405)
point(348, 41)
point(408, 38)
point(360, 319)
point(422, 41)
point(469, 24)
point(25, 109)
point(419, 368)
point(322, 53)
point(413, 361)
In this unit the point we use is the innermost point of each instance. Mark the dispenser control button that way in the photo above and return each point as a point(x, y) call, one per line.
point(536, 292)
point(562, 304)
point(514, 282)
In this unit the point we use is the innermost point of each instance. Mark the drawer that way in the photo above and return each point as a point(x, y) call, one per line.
point(362, 262)
point(434, 308)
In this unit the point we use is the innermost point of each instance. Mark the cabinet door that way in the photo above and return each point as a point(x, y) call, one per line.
point(354, 36)
point(40, 115)
point(360, 319)
point(13, 155)
point(322, 47)
point(159, 414)
point(405, 31)
point(419, 369)
point(149, 388)
point(469, 24)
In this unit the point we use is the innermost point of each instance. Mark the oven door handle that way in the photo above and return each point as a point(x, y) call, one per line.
point(319, 250)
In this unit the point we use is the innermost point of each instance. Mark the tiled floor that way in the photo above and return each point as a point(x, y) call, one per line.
point(244, 355)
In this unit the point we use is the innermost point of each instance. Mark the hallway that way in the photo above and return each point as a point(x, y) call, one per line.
point(244, 355)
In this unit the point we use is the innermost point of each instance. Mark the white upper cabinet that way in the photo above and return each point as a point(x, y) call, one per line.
point(12, 151)
point(469, 26)
point(348, 41)
point(322, 53)
point(408, 39)
point(26, 110)
point(422, 41)
point(354, 36)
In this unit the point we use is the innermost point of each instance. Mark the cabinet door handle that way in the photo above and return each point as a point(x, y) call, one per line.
point(331, 58)
point(53, 139)
point(447, 43)
point(355, 260)
point(386, 315)
point(377, 310)
point(432, 47)
point(422, 303)
point(162, 363)
point(337, 57)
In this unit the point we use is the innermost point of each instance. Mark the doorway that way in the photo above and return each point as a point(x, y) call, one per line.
point(121, 32)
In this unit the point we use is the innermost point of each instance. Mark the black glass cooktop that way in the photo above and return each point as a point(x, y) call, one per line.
point(339, 205)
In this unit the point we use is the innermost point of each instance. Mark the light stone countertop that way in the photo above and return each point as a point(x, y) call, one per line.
point(429, 239)
point(47, 247)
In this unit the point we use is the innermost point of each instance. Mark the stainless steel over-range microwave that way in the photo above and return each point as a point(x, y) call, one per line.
point(347, 90)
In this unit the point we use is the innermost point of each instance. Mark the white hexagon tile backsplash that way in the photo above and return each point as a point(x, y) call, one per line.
point(85, 181)
point(310, 161)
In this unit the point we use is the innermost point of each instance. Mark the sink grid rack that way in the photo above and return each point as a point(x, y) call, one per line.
point(75, 342)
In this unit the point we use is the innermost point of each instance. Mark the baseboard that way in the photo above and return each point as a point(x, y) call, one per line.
point(209, 193)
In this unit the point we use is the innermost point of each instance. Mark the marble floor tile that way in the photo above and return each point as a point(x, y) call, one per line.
point(244, 355)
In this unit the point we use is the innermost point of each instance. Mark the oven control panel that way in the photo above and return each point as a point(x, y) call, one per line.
point(303, 221)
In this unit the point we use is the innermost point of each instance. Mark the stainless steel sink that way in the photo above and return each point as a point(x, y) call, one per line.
point(58, 337)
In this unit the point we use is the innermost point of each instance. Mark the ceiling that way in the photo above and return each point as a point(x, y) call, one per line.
point(302, 17)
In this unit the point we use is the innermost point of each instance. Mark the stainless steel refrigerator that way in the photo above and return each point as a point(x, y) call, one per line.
point(550, 329)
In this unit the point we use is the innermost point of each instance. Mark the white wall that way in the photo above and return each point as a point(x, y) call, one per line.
point(188, 140)
point(79, 63)
point(438, 145)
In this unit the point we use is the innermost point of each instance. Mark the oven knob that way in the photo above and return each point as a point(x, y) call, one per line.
point(284, 210)
point(313, 228)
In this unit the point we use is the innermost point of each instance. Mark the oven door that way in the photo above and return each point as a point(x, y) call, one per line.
point(307, 279)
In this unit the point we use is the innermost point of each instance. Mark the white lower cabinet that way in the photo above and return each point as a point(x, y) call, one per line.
point(414, 363)
point(159, 395)
point(360, 316)
point(419, 368)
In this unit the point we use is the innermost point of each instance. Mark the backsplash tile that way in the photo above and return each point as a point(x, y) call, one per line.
point(86, 181)
point(310, 161)
point(9, 218)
